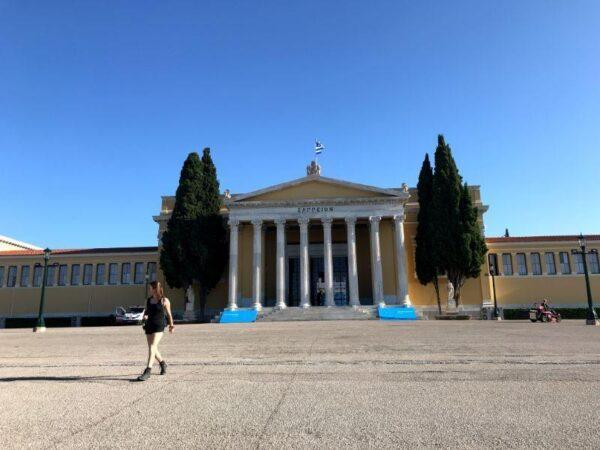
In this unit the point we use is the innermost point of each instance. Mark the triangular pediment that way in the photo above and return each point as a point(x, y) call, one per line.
point(316, 187)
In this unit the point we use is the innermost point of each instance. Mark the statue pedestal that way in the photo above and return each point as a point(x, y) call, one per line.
point(451, 306)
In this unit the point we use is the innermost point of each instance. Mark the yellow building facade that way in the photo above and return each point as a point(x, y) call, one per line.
point(314, 241)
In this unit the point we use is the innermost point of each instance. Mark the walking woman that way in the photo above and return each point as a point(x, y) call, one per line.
point(157, 308)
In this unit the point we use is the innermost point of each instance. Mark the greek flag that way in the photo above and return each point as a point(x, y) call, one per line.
point(318, 148)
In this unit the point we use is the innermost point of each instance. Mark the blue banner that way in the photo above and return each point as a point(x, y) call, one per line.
point(397, 313)
point(239, 316)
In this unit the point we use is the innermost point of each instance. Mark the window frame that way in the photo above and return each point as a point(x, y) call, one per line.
point(141, 273)
point(525, 273)
point(50, 275)
point(533, 265)
point(66, 274)
point(2, 272)
point(103, 265)
point(567, 262)
point(123, 273)
point(110, 274)
point(24, 268)
point(39, 276)
point(151, 271)
point(91, 274)
point(11, 279)
point(546, 254)
point(579, 266)
point(73, 266)
point(510, 265)
point(591, 263)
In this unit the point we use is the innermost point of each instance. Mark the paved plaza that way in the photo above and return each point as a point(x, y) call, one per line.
point(354, 384)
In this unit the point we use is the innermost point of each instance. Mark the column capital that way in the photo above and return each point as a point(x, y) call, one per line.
point(398, 218)
point(350, 220)
point(280, 222)
point(303, 221)
point(375, 219)
point(326, 221)
point(257, 222)
point(233, 222)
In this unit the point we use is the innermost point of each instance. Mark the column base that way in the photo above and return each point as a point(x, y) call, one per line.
point(257, 306)
point(280, 306)
point(39, 330)
point(405, 301)
point(305, 306)
point(232, 308)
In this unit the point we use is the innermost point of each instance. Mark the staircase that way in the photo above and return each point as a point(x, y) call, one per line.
point(318, 313)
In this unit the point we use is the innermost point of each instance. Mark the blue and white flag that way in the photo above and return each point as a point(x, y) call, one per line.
point(318, 148)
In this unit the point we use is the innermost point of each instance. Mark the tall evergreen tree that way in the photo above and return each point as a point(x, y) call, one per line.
point(179, 261)
point(426, 266)
point(212, 233)
point(459, 244)
point(194, 244)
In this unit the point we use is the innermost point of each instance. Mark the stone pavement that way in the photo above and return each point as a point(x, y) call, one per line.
point(354, 384)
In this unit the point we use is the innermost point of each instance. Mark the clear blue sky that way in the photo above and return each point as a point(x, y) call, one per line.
point(100, 102)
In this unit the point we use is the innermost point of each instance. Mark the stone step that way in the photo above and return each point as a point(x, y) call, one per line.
point(320, 313)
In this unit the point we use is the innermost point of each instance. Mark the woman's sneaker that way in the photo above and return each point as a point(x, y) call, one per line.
point(163, 368)
point(145, 375)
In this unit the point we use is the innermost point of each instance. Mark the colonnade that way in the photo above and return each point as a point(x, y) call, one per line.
point(303, 222)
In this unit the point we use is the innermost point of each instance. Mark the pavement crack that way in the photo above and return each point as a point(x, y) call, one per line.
point(284, 394)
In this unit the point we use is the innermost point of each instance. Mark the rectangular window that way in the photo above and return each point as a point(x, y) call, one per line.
point(593, 264)
point(138, 277)
point(578, 262)
point(522, 263)
point(507, 264)
point(75, 274)
point(151, 271)
point(550, 265)
point(126, 273)
point(24, 276)
point(37, 275)
point(51, 276)
point(87, 274)
point(62, 275)
point(565, 265)
point(536, 264)
point(493, 263)
point(112, 273)
point(100, 268)
point(12, 276)
point(1, 276)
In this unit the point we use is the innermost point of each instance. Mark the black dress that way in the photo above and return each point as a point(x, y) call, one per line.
point(156, 317)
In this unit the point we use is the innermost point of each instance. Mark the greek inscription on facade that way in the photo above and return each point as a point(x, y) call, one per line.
point(315, 209)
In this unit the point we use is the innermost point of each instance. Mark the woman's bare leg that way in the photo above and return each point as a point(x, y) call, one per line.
point(153, 340)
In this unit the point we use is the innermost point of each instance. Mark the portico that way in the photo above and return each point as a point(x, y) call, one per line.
point(314, 223)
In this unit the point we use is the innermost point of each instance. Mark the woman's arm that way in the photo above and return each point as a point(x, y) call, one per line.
point(167, 305)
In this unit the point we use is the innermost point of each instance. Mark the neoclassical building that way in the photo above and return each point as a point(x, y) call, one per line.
point(353, 241)
point(349, 239)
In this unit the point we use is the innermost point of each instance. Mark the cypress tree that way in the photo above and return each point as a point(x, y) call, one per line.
point(426, 266)
point(179, 260)
point(211, 241)
point(459, 243)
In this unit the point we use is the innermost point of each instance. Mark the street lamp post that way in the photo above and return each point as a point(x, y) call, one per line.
point(41, 325)
point(493, 274)
point(592, 318)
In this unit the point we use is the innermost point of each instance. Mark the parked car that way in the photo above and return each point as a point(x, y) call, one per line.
point(133, 315)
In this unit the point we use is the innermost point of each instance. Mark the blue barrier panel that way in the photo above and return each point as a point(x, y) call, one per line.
point(239, 316)
point(397, 313)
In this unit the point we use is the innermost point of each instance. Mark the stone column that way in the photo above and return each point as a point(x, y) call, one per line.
point(233, 263)
point(304, 263)
point(280, 264)
point(257, 264)
point(352, 266)
point(401, 274)
point(376, 273)
point(328, 261)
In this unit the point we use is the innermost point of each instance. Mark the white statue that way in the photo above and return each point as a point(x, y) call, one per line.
point(451, 301)
point(189, 299)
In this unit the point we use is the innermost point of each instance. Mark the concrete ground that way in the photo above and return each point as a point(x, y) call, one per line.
point(353, 384)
